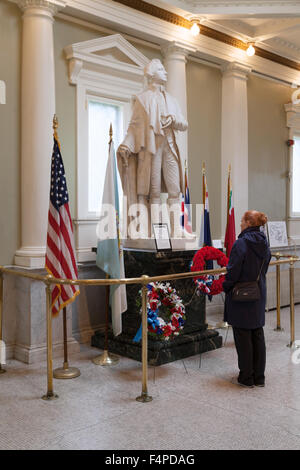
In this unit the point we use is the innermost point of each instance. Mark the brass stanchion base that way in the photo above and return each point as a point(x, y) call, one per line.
point(278, 328)
point(210, 327)
point(2, 371)
point(50, 396)
point(66, 372)
point(106, 359)
point(144, 398)
point(223, 325)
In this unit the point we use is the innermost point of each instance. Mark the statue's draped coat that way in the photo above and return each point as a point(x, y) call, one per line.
point(143, 137)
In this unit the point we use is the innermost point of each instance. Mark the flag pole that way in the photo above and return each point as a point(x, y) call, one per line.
point(223, 325)
point(209, 326)
point(64, 372)
point(203, 184)
point(107, 359)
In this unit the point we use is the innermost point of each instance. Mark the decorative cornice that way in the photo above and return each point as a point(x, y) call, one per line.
point(241, 6)
point(242, 3)
point(178, 20)
point(86, 58)
point(288, 44)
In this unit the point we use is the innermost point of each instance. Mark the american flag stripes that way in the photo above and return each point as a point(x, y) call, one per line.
point(60, 253)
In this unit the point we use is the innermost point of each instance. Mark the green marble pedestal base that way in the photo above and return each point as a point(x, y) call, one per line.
point(195, 338)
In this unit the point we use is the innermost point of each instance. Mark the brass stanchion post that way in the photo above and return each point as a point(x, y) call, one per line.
point(66, 372)
point(278, 302)
point(144, 397)
point(292, 305)
point(106, 359)
point(50, 395)
point(1, 316)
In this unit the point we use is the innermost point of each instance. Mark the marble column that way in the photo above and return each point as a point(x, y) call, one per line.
point(37, 110)
point(234, 146)
point(175, 58)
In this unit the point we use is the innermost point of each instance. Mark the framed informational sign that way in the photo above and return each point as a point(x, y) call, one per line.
point(277, 234)
point(162, 237)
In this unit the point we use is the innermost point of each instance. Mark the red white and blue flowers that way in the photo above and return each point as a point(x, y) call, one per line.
point(166, 312)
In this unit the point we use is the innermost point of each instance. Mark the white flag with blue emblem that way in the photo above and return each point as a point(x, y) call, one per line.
point(109, 251)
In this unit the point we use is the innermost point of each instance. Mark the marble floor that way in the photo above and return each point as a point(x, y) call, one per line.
point(192, 407)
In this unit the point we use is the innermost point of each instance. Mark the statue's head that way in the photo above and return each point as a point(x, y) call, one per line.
point(155, 72)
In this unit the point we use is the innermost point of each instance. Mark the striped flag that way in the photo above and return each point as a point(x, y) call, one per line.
point(207, 234)
point(60, 253)
point(109, 251)
point(185, 206)
point(230, 227)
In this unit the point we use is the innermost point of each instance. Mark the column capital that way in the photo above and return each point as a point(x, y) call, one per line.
point(176, 50)
point(293, 115)
point(236, 70)
point(35, 7)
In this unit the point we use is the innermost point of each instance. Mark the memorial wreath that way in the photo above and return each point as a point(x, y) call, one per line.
point(166, 312)
point(208, 284)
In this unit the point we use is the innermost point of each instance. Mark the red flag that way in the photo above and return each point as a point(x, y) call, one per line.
point(230, 227)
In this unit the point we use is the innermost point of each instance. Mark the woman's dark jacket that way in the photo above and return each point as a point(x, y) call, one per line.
point(246, 257)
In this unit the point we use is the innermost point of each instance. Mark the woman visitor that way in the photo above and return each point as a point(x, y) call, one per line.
point(249, 261)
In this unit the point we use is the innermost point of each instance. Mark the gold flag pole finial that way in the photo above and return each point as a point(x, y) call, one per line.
point(229, 168)
point(203, 168)
point(110, 133)
point(55, 127)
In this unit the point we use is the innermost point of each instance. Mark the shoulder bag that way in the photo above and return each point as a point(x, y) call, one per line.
point(247, 291)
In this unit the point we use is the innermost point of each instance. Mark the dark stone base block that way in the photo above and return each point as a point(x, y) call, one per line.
point(161, 352)
point(195, 337)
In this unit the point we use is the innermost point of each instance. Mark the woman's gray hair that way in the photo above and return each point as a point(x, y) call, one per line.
point(150, 68)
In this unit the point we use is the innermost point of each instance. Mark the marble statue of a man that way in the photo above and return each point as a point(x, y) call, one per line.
point(149, 160)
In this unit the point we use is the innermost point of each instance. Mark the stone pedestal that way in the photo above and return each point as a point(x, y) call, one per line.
point(24, 321)
point(194, 340)
point(24, 317)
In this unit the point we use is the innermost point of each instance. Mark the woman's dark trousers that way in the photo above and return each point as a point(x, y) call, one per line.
point(251, 350)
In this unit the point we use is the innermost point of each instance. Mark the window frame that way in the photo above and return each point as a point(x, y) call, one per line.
point(103, 77)
point(116, 103)
point(292, 213)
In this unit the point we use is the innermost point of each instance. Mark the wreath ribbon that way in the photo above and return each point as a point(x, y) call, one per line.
point(152, 321)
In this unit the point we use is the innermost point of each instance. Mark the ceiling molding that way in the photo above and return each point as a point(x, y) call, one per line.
point(237, 8)
point(178, 20)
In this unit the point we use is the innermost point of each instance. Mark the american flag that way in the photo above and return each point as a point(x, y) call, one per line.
point(60, 253)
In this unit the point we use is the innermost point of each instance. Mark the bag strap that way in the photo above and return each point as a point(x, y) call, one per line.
point(260, 271)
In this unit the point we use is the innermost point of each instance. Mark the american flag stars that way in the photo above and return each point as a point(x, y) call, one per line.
point(59, 193)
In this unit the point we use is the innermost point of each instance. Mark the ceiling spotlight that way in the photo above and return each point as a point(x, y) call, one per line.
point(251, 50)
point(195, 28)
